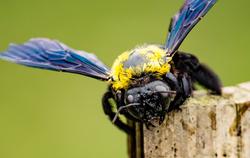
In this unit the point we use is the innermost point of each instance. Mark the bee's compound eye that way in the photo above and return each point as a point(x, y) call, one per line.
point(160, 88)
point(130, 98)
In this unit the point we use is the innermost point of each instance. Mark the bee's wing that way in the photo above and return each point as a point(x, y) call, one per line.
point(53, 55)
point(182, 23)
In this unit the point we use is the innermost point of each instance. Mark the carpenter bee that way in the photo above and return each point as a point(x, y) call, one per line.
point(145, 82)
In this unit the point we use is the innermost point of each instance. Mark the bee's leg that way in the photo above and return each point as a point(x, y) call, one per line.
point(107, 107)
point(199, 72)
point(183, 87)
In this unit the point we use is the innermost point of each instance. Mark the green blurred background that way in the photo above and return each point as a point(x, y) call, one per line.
point(47, 114)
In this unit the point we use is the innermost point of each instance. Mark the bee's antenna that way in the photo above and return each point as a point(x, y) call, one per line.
point(170, 92)
point(121, 108)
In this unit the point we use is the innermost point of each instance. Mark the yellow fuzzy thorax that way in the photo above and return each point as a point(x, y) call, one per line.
point(156, 63)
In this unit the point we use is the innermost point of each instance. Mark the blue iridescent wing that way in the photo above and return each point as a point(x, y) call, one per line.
point(182, 23)
point(53, 55)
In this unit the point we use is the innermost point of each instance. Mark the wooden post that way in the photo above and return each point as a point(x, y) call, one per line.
point(206, 126)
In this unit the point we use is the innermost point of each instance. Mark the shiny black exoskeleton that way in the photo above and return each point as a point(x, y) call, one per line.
point(156, 97)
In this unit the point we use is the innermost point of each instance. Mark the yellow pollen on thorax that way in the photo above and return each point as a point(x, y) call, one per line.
point(156, 63)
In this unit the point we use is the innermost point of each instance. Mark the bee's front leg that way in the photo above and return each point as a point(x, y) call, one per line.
point(107, 107)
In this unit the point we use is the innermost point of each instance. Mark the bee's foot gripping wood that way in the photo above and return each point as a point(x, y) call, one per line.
point(207, 126)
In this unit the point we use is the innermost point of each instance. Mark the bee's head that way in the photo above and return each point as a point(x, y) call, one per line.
point(150, 101)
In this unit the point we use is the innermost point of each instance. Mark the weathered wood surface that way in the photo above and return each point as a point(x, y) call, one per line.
point(207, 126)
